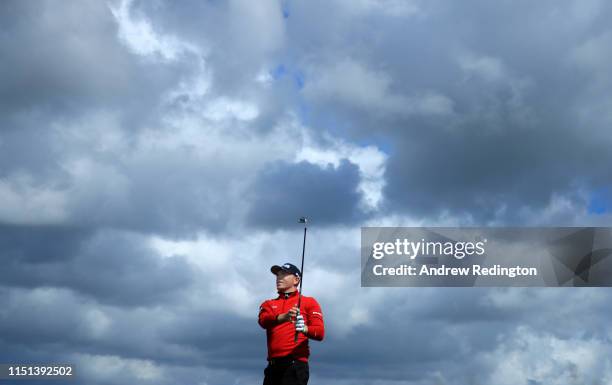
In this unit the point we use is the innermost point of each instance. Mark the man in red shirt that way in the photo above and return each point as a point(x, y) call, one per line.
point(287, 359)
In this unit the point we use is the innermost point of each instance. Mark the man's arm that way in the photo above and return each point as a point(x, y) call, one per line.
point(267, 318)
point(315, 328)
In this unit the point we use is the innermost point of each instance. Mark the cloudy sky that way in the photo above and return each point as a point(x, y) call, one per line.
point(155, 155)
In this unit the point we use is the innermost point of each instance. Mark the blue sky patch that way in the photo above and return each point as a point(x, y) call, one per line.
point(278, 72)
point(600, 201)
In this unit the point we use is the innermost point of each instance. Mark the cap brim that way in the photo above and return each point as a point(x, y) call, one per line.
point(275, 269)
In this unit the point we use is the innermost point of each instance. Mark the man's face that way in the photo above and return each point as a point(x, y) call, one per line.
point(285, 280)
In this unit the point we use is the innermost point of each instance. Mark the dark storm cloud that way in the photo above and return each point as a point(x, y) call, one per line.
point(61, 61)
point(515, 141)
point(25, 147)
point(284, 192)
point(475, 171)
point(112, 268)
point(515, 136)
point(222, 340)
point(41, 244)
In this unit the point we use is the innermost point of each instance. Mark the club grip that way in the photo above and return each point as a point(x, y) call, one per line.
point(295, 338)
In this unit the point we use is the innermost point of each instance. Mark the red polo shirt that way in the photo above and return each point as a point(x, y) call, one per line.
point(280, 336)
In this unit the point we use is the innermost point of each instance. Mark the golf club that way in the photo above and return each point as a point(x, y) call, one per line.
point(305, 222)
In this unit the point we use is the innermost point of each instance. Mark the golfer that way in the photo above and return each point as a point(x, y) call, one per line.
point(287, 359)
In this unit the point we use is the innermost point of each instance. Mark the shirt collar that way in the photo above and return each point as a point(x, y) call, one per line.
point(288, 295)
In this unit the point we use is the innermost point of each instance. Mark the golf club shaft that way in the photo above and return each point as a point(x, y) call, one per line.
point(301, 278)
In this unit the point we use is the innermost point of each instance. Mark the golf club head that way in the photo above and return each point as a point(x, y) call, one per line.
point(303, 220)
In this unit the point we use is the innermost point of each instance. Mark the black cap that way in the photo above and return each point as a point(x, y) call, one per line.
point(288, 267)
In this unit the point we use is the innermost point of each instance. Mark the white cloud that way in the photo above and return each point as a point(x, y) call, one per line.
point(224, 108)
point(489, 68)
point(229, 268)
point(525, 357)
point(111, 367)
point(193, 96)
point(24, 201)
point(140, 37)
point(99, 131)
point(264, 77)
point(593, 56)
point(193, 88)
point(237, 270)
point(97, 323)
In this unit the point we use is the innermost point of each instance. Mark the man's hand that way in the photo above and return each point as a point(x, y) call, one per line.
point(289, 316)
point(300, 325)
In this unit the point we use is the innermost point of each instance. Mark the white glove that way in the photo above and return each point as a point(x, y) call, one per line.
point(300, 326)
